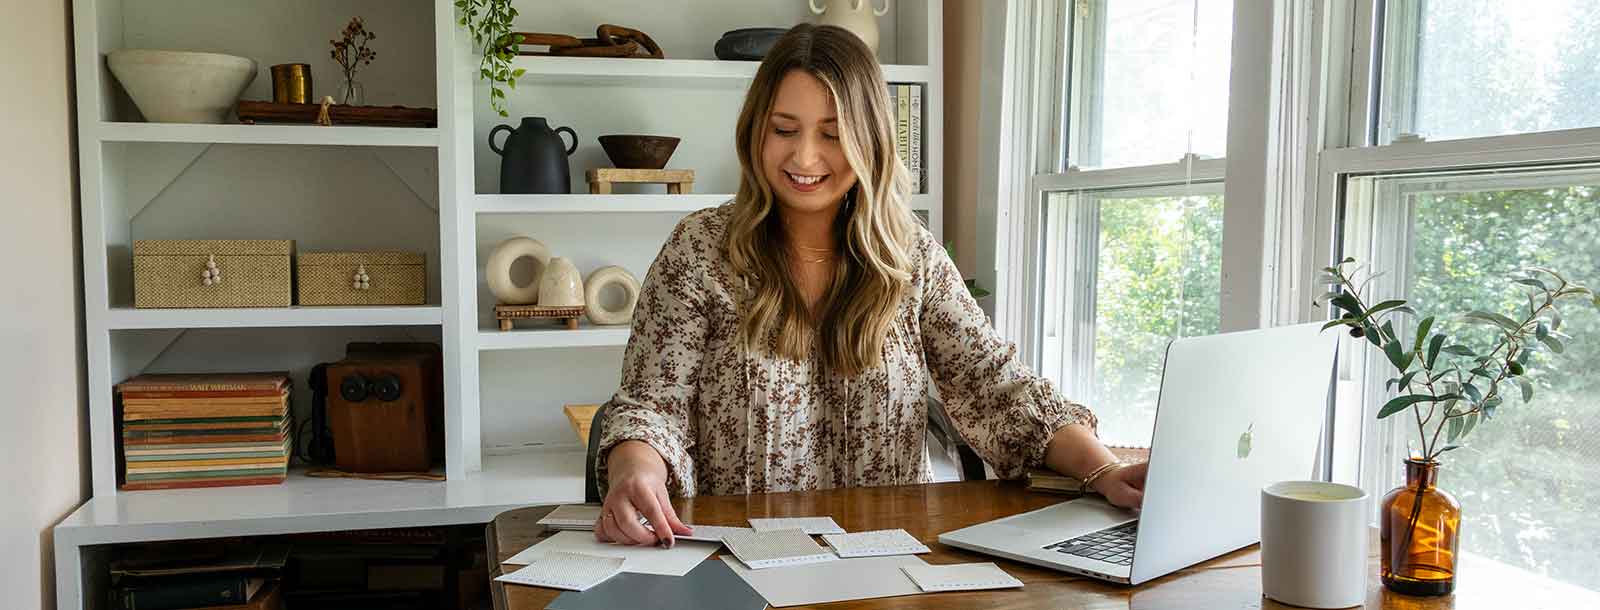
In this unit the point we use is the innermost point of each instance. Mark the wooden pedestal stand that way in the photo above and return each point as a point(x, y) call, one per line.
point(506, 313)
point(678, 181)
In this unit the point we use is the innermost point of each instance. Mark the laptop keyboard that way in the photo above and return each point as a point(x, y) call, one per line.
point(1114, 545)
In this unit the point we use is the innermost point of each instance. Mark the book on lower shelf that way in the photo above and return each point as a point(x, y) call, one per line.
point(233, 575)
point(187, 431)
point(1040, 479)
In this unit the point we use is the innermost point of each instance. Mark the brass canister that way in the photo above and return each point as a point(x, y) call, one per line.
point(291, 83)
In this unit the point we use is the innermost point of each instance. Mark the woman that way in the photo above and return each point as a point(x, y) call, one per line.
point(784, 340)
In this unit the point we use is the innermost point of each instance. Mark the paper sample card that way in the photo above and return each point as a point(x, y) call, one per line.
point(711, 585)
point(810, 525)
point(563, 570)
point(832, 581)
point(961, 577)
point(713, 533)
point(572, 517)
point(676, 561)
point(875, 543)
point(761, 550)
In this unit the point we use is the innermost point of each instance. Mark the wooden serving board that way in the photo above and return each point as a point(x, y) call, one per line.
point(251, 112)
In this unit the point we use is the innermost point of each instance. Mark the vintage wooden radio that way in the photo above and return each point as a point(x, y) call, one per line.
point(384, 408)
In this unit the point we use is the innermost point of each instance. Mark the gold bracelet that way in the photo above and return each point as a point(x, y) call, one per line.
point(1088, 481)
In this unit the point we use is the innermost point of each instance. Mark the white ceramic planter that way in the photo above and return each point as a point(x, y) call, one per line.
point(182, 86)
point(560, 285)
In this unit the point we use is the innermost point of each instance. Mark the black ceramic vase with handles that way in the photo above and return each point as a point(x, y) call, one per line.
point(534, 159)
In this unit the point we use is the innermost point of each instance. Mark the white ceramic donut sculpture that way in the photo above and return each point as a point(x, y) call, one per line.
point(597, 282)
point(497, 271)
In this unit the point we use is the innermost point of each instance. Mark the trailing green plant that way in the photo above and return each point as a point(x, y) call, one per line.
point(490, 22)
point(1448, 386)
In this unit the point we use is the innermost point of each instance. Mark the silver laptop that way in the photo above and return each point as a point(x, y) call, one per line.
point(1236, 411)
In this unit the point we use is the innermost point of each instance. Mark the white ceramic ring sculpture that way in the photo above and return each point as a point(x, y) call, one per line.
point(560, 285)
point(597, 282)
point(498, 270)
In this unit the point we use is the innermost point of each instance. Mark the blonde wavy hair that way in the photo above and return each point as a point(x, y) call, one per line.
point(874, 227)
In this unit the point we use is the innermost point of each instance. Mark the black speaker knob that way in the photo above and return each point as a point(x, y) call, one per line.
point(386, 388)
point(353, 388)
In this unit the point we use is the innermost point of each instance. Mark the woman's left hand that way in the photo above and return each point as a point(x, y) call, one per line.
point(1123, 486)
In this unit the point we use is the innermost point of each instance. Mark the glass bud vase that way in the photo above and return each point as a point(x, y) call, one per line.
point(1419, 530)
point(352, 93)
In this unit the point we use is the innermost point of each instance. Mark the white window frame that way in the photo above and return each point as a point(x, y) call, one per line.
point(1367, 457)
point(1276, 232)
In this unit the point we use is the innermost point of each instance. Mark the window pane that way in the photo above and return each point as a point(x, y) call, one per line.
point(1151, 81)
point(1468, 68)
point(1156, 263)
point(1528, 479)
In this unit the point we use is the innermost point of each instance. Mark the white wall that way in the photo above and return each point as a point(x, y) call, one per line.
point(42, 435)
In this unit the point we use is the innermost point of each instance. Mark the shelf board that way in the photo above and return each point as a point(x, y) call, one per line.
point(313, 135)
point(599, 204)
point(123, 318)
point(602, 69)
point(306, 504)
point(617, 204)
point(553, 337)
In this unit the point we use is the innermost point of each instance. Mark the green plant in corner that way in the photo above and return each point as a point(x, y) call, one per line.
point(1450, 387)
point(490, 22)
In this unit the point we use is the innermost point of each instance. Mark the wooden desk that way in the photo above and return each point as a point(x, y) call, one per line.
point(1231, 581)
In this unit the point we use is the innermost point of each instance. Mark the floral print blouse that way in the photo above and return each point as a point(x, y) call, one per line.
point(729, 420)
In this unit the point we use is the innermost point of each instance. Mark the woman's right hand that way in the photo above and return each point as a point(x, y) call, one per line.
point(638, 488)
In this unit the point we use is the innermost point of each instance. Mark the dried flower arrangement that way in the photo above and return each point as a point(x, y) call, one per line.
point(351, 52)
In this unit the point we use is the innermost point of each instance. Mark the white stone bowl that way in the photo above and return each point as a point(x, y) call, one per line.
point(182, 86)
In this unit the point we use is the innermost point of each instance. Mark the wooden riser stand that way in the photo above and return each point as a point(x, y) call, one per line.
point(678, 181)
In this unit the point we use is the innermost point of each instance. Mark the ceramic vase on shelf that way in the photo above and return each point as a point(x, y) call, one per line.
point(560, 285)
point(858, 16)
point(1419, 530)
point(534, 158)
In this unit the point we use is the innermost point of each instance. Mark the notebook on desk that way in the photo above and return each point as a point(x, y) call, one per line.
point(1236, 411)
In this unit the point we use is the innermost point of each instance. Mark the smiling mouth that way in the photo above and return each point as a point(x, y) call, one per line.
point(801, 182)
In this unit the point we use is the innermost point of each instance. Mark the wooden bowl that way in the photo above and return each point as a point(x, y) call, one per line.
point(639, 152)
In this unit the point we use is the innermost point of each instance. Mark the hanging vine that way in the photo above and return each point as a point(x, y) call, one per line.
point(490, 22)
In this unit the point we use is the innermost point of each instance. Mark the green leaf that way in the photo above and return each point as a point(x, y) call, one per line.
point(1348, 259)
point(1553, 343)
point(1472, 422)
point(1472, 392)
point(1372, 335)
point(1388, 331)
point(1348, 303)
point(1528, 281)
point(1490, 406)
point(1493, 319)
point(1541, 331)
point(1399, 403)
point(1338, 322)
point(1433, 350)
point(1460, 350)
point(1555, 319)
point(1422, 333)
point(1376, 309)
point(1515, 368)
point(1454, 431)
point(1450, 447)
point(1527, 388)
point(1396, 357)
point(1406, 379)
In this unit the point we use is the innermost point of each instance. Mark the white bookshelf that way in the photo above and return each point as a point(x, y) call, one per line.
point(305, 135)
point(427, 189)
point(265, 317)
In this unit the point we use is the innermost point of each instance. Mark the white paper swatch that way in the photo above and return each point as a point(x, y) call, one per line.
point(761, 550)
point(676, 561)
point(563, 570)
point(875, 543)
point(961, 577)
point(833, 581)
point(572, 517)
point(713, 533)
point(810, 525)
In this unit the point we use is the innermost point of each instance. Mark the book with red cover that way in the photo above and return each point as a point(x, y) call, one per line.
point(197, 483)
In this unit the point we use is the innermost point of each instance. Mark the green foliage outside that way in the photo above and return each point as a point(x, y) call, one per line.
point(1529, 478)
point(1159, 277)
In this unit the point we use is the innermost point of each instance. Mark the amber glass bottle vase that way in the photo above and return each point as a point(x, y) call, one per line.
point(1419, 531)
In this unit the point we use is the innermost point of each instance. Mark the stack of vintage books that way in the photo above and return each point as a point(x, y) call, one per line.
point(209, 430)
